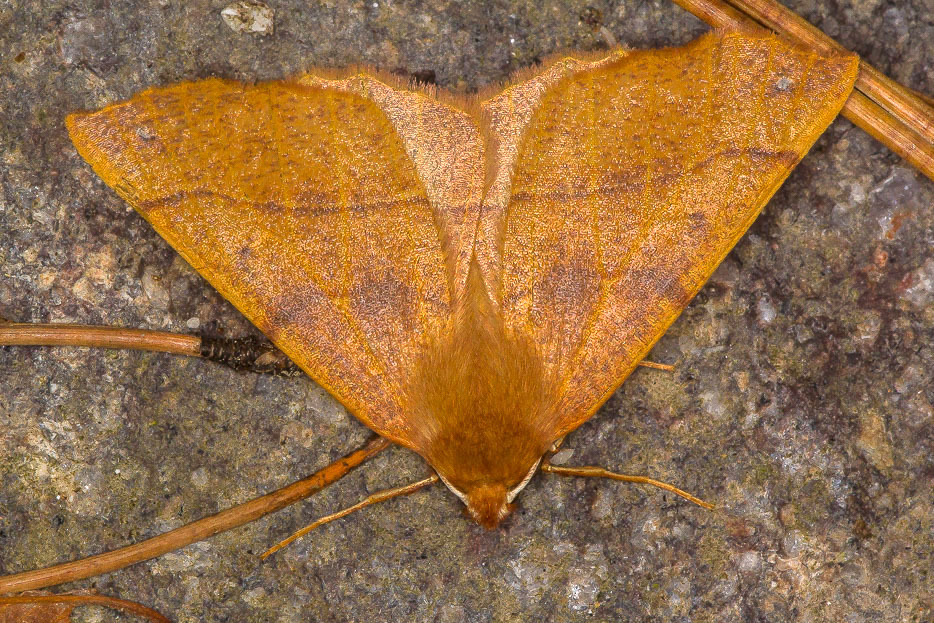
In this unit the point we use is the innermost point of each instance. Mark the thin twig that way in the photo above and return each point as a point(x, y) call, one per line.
point(115, 603)
point(717, 14)
point(247, 353)
point(193, 532)
point(905, 127)
point(28, 334)
point(872, 118)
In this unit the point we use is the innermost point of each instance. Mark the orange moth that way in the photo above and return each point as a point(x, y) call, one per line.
point(472, 277)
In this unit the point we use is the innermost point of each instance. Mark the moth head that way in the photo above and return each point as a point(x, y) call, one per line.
point(487, 505)
point(489, 502)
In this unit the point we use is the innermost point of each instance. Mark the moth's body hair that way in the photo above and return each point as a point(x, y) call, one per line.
point(481, 406)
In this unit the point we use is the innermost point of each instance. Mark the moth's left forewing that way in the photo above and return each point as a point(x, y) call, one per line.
point(632, 180)
point(304, 207)
point(445, 146)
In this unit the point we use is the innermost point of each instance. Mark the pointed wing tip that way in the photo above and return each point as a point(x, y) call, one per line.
point(75, 124)
point(79, 125)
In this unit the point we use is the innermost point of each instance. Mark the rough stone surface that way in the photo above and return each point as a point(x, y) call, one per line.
point(802, 404)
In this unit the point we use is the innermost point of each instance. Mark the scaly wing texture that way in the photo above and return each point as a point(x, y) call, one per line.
point(633, 180)
point(446, 147)
point(302, 207)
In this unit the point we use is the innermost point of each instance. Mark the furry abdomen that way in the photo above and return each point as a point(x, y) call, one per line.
point(482, 410)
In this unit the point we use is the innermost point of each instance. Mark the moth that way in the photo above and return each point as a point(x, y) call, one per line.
point(472, 277)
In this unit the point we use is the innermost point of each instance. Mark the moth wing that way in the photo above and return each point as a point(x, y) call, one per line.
point(300, 205)
point(633, 180)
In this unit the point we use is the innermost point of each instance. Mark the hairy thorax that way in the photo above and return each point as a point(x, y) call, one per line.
point(481, 408)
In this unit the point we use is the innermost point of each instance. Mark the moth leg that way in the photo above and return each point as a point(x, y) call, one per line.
point(556, 445)
point(657, 366)
point(379, 496)
point(599, 472)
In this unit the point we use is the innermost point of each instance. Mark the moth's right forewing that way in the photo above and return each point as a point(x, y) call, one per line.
point(632, 181)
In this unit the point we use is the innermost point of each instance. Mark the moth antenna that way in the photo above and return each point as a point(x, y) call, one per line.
point(379, 496)
point(657, 366)
point(195, 531)
point(599, 472)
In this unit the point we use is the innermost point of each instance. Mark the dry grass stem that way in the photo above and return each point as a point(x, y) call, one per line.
point(28, 334)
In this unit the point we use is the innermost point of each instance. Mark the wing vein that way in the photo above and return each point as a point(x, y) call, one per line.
point(594, 204)
point(344, 296)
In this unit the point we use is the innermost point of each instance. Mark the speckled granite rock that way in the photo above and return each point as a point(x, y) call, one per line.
point(802, 401)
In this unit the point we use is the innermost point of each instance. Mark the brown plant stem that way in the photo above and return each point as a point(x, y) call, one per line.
point(879, 124)
point(115, 603)
point(896, 116)
point(28, 334)
point(247, 353)
point(193, 532)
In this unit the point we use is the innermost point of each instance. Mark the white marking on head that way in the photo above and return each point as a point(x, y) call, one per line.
point(510, 496)
point(454, 490)
point(519, 487)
